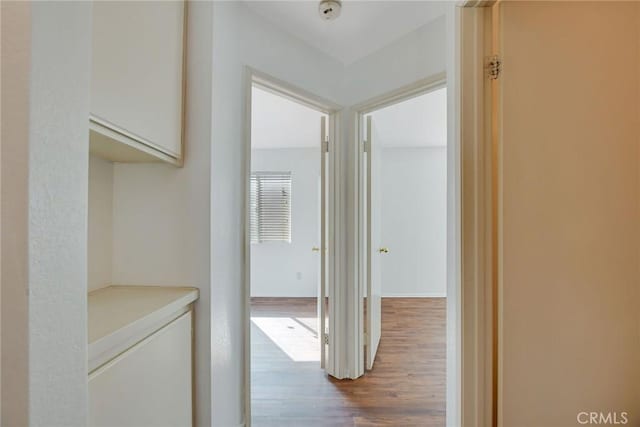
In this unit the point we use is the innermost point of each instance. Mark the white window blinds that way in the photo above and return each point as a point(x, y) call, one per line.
point(270, 207)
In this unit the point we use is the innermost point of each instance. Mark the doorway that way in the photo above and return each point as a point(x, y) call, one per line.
point(402, 141)
point(287, 242)
point(285, 230)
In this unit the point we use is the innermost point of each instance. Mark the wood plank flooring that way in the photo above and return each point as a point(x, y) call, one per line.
point(406, 388)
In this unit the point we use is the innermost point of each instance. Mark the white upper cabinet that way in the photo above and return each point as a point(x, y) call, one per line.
point(137, 80)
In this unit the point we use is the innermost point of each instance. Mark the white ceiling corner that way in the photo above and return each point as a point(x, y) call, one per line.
point(362, 28)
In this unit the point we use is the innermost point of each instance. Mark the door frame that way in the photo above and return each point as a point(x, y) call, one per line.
point(334, 205)
point(480, 159)
point(423, 86)
point(474, 291)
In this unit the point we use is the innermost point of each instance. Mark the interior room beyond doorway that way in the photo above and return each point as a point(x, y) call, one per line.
point(404, 229)
point(285, 230)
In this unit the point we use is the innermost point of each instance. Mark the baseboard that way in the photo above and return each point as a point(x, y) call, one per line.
point(433, 295)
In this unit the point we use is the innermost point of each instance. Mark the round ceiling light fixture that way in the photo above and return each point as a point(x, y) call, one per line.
point(329, 9)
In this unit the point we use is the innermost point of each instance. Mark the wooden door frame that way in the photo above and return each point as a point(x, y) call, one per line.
point(480, 225)
point(334, 205)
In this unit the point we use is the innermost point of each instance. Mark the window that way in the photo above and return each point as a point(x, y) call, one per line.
point(270, 207)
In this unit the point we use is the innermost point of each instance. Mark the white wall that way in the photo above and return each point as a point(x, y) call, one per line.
point(162, 214)
point(100, 223)
point(416, 56)
point(45, 150)
point(290, 269)
point(570, 212)
point(414, 222)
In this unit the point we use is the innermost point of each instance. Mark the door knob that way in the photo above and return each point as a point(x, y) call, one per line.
point(383, 250)
point(315, 249)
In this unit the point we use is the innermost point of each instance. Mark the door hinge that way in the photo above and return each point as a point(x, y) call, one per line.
point(494, 67)
point(367, 146)
point(326, 339)
point(325, 147)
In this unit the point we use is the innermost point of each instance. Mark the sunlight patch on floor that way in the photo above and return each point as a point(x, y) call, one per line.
point(295, 336)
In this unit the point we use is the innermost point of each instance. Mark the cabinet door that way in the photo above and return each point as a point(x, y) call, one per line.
point(149, 384)
point(137, 71)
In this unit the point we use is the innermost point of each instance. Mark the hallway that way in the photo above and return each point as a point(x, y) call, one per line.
point(406, 387)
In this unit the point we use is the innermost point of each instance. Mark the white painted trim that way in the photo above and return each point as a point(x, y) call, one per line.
point(476, 191)
point(264, 81)
point(354, 366)
point(454, 220)
point(322, 292)
point(286, 90)
point(404, 93)
point(334, 365)
point(371, 346)
point(246, 279)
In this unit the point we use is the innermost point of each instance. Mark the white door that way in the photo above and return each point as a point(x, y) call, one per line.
point(374, 249)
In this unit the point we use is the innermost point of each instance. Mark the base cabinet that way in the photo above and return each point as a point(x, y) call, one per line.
point(149, 385)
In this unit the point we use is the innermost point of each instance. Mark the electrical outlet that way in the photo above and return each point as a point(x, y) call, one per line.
point(299, 275)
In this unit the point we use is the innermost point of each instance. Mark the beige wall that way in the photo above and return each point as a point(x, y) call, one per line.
point(16, 40)
point(571, 216)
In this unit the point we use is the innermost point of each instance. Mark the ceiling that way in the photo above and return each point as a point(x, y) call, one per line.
point(278, 122)
point(417, 122)
point(363, 27)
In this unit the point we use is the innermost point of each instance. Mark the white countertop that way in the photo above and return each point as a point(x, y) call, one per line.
point(120, 316)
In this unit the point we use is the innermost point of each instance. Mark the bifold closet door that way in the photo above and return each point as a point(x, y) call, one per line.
point(374, 250)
